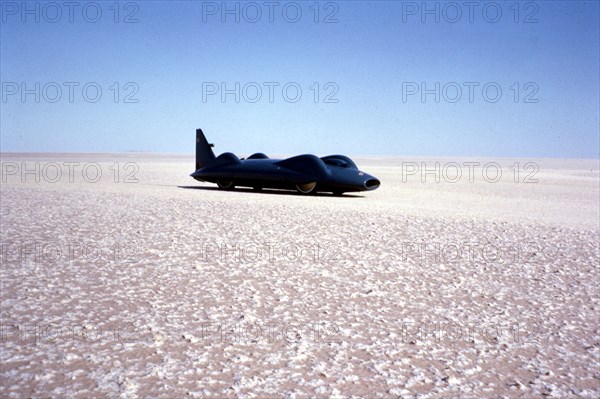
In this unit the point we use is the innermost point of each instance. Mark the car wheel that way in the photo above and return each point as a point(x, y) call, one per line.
point(306, 188)
point(225, 184)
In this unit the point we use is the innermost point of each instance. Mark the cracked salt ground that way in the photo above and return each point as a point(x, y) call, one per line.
point(150, 290)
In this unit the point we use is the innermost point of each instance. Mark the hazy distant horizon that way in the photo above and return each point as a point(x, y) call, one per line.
point(191, 155)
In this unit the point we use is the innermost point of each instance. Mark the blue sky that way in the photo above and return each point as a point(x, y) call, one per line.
point(509, 79)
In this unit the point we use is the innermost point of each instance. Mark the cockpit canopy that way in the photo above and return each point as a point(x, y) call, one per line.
point(258, 155)
point(341, 161)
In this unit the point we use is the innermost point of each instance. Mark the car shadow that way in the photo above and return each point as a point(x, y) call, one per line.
point(271, 192)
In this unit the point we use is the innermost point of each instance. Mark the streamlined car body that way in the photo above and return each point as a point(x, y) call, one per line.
point(306, 173)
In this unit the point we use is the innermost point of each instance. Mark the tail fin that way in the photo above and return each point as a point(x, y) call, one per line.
point(204, 152)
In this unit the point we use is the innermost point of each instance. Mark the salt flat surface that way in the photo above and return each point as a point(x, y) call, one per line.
point(138, 281)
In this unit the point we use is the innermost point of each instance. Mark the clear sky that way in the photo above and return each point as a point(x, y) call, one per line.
point(508, 79)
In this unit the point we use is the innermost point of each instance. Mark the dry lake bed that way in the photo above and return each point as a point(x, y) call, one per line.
point(121, 276)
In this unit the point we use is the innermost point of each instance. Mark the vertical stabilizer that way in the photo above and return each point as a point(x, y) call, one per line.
point(204, 152)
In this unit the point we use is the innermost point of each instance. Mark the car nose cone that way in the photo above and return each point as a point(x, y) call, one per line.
point(372, 183)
